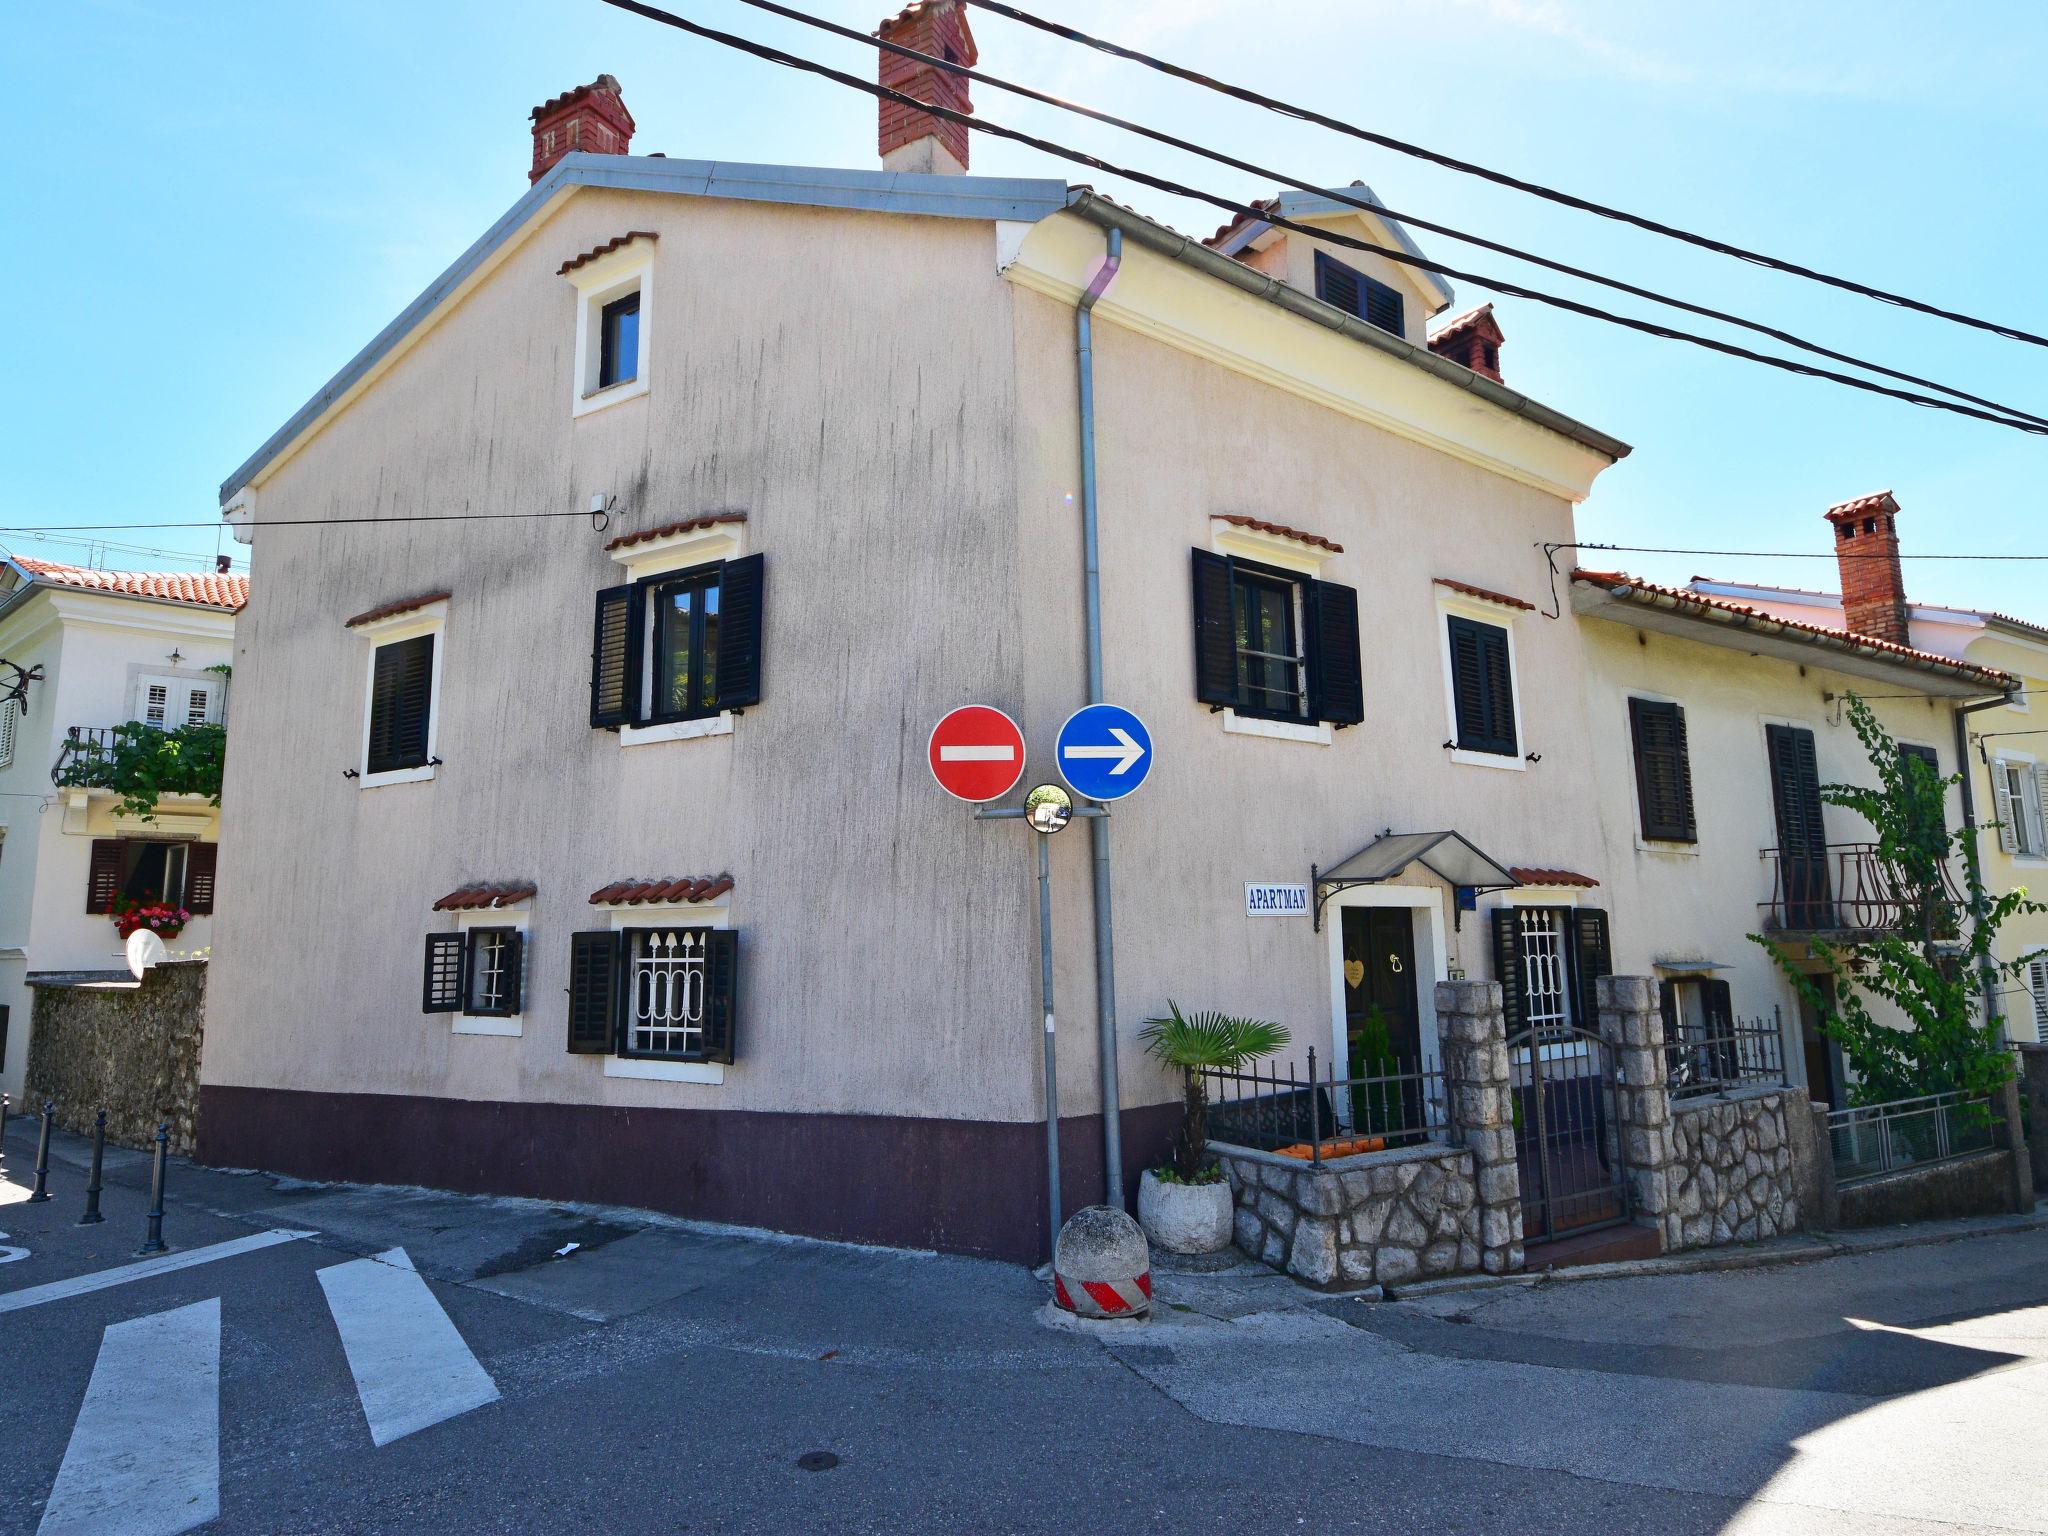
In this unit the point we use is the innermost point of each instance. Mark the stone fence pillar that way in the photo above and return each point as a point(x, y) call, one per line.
point(1632, 1025)
point(2033, 1083)
point(1473, 1035)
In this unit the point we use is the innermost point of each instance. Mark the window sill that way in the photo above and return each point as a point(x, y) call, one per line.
point(719, 724)
point(1319, 734)
point(1487, 760)
point(664, 1071)
point(489, 1024)
point(613, 394)
point(395, 776)
point(1675, 850)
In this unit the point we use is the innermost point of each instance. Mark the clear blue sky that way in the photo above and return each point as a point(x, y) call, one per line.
point(211, 206)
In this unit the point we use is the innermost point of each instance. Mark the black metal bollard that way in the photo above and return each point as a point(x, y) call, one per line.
point(42, 1189)
point(5, 1101)
point(92, 1187)
point(154, 1243)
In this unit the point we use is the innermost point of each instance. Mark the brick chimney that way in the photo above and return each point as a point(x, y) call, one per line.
point(1867, 552)
point(917, 141)
point(1473, 339)
point(592, 118)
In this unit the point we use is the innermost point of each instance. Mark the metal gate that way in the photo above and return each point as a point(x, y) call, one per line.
point(1568, 1141)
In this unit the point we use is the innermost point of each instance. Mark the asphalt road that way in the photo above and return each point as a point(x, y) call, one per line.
point(418, 1361)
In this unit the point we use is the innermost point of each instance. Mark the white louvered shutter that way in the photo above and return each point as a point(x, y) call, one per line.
point(10, 712)
point(2001, 795)
point(2037, 977)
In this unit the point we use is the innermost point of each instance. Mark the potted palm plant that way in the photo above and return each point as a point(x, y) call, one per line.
point(1184, 1205)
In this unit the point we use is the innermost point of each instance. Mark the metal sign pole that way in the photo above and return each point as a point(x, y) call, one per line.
point(1052, 1080)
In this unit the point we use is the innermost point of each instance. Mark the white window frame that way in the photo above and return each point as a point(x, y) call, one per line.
point(629, 269)
point(662, 914)
point(1297, 558)
point(1500, 616)
point(432, 619)
point(176, 685)
point(2028, 824)
point(673, 554)
point(516, 916)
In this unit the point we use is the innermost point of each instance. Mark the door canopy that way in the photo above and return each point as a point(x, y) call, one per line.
point(1450, 856)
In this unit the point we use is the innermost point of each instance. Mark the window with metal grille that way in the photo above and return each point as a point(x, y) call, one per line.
point(1546, 976)
point(665, 991)
point(1275, 643)
point(493, 972)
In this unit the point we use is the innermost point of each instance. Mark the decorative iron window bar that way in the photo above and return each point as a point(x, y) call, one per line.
point(1749, 1054)
point(1846, 888)
point(1317, 1114)
point(1872, 1140)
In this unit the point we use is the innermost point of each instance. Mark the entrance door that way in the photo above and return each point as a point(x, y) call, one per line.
point(1382, 1017)
point(1802, 841)
point(1823, 1079)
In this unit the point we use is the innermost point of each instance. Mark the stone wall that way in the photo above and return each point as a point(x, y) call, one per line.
point(1380, 1218)
point(1733, 1168)
point(2033, 1085)
point(129, 1048)
point(1980, 1184)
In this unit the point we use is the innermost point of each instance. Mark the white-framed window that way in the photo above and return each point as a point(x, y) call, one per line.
point(2037, 985)
point(2019, 794)
point(478, 972)
point(402, 694)
point(1482, 686)
point(657, 993)
point(1277, 648)
point(614, 323)
point(169, 702)
point(677, 649)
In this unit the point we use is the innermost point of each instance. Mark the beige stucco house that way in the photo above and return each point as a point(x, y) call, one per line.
point(596, 853)
point(1724, 707)
point(82, 651)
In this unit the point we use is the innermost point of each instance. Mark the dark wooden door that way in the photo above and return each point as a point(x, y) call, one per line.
point(1379, 971)
point(1802, 839)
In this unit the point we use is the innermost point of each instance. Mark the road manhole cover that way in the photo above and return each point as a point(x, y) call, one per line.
point(817, 1461)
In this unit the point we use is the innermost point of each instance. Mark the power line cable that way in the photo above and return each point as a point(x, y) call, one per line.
point(1045, 98)
point(1780, 554)
point(1501, 178)
point(304, 522)
point(1405, 258)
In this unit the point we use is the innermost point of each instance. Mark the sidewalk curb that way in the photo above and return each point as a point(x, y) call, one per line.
point(1805, 1250)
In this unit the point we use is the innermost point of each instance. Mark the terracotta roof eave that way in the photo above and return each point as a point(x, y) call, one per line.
point(485, 895)
point(630, 893)
point(212, 590)
point(393, 609)
point(1278, 530)
point(1561, 877)
point(1484, 595)
point(613, 244)
point(687, 525)
point(1649, 594)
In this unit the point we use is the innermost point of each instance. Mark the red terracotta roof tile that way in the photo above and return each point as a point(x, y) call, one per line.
point(1278, 530)
point(1483, 595)
point(1876, 501)
point(626, 893)
point(1621, 584)
point(604, 250)
point(1472, 318)
point(688, 525)
point(391, 610)
point(485, 894)
point(210, 590)
point(605, 83)
point(1539, 876)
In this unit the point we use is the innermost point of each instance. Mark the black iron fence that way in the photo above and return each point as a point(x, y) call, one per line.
point(1742, 1053)
point(1871, 1140)
point(1316, 1115)
point(86, 749)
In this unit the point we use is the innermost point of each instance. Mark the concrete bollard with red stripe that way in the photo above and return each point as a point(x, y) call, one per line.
point(1102, 1265)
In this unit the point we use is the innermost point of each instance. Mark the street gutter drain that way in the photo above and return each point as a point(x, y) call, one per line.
point(817, 1461)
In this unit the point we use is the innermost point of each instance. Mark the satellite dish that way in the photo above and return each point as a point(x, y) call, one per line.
point(145, 948)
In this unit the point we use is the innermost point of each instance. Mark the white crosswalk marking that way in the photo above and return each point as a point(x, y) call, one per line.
point(411, 1367)
point(144, 1457)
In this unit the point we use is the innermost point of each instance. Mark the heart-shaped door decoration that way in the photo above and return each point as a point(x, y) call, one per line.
point(1354, 973)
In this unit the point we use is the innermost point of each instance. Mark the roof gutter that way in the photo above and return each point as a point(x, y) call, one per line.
point(1646, 598)
point(1140, 230)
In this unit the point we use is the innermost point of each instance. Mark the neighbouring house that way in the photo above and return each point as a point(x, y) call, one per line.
point(1724, 707)
point(615, 870)
point(2000, 743)
point(99, 663)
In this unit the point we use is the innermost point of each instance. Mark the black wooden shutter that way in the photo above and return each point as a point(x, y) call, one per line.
point(1338, 284)
point(1336, 681)
point(201, 859)
point(1593, 958)
point(515, 970)
point(721, 992)
point(401, 702)
point(1507, 966)
point(1717, 1003)
point(1795, 789)
point(441, 988)
point(1932, 759)
point(1482, 686)
point(1215, 631)
point(1667, 1005)
point(740, 594)
point(1663, 771)
point(1382, 307)
point(593, 986)
point(103, 879)
point(615, 658)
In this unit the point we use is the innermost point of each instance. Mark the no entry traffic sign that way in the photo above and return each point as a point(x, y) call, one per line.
point(977, 753)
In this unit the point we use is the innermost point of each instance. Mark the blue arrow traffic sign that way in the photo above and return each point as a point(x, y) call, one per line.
point(1104, 752)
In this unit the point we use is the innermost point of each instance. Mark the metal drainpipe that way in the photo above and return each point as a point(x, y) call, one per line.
point(1098, 826)
point(1987, 973)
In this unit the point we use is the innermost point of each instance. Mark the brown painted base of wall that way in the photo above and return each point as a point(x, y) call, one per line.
point(960, 1186)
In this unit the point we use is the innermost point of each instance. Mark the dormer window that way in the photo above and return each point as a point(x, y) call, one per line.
point(614, 286)
point(1356, 294)
point(619, 344)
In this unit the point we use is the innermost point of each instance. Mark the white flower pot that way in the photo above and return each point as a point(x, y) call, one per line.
point(1185, 1218)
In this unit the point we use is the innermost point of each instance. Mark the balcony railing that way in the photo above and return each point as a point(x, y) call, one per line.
point(85, 746)
point(1845, 888)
